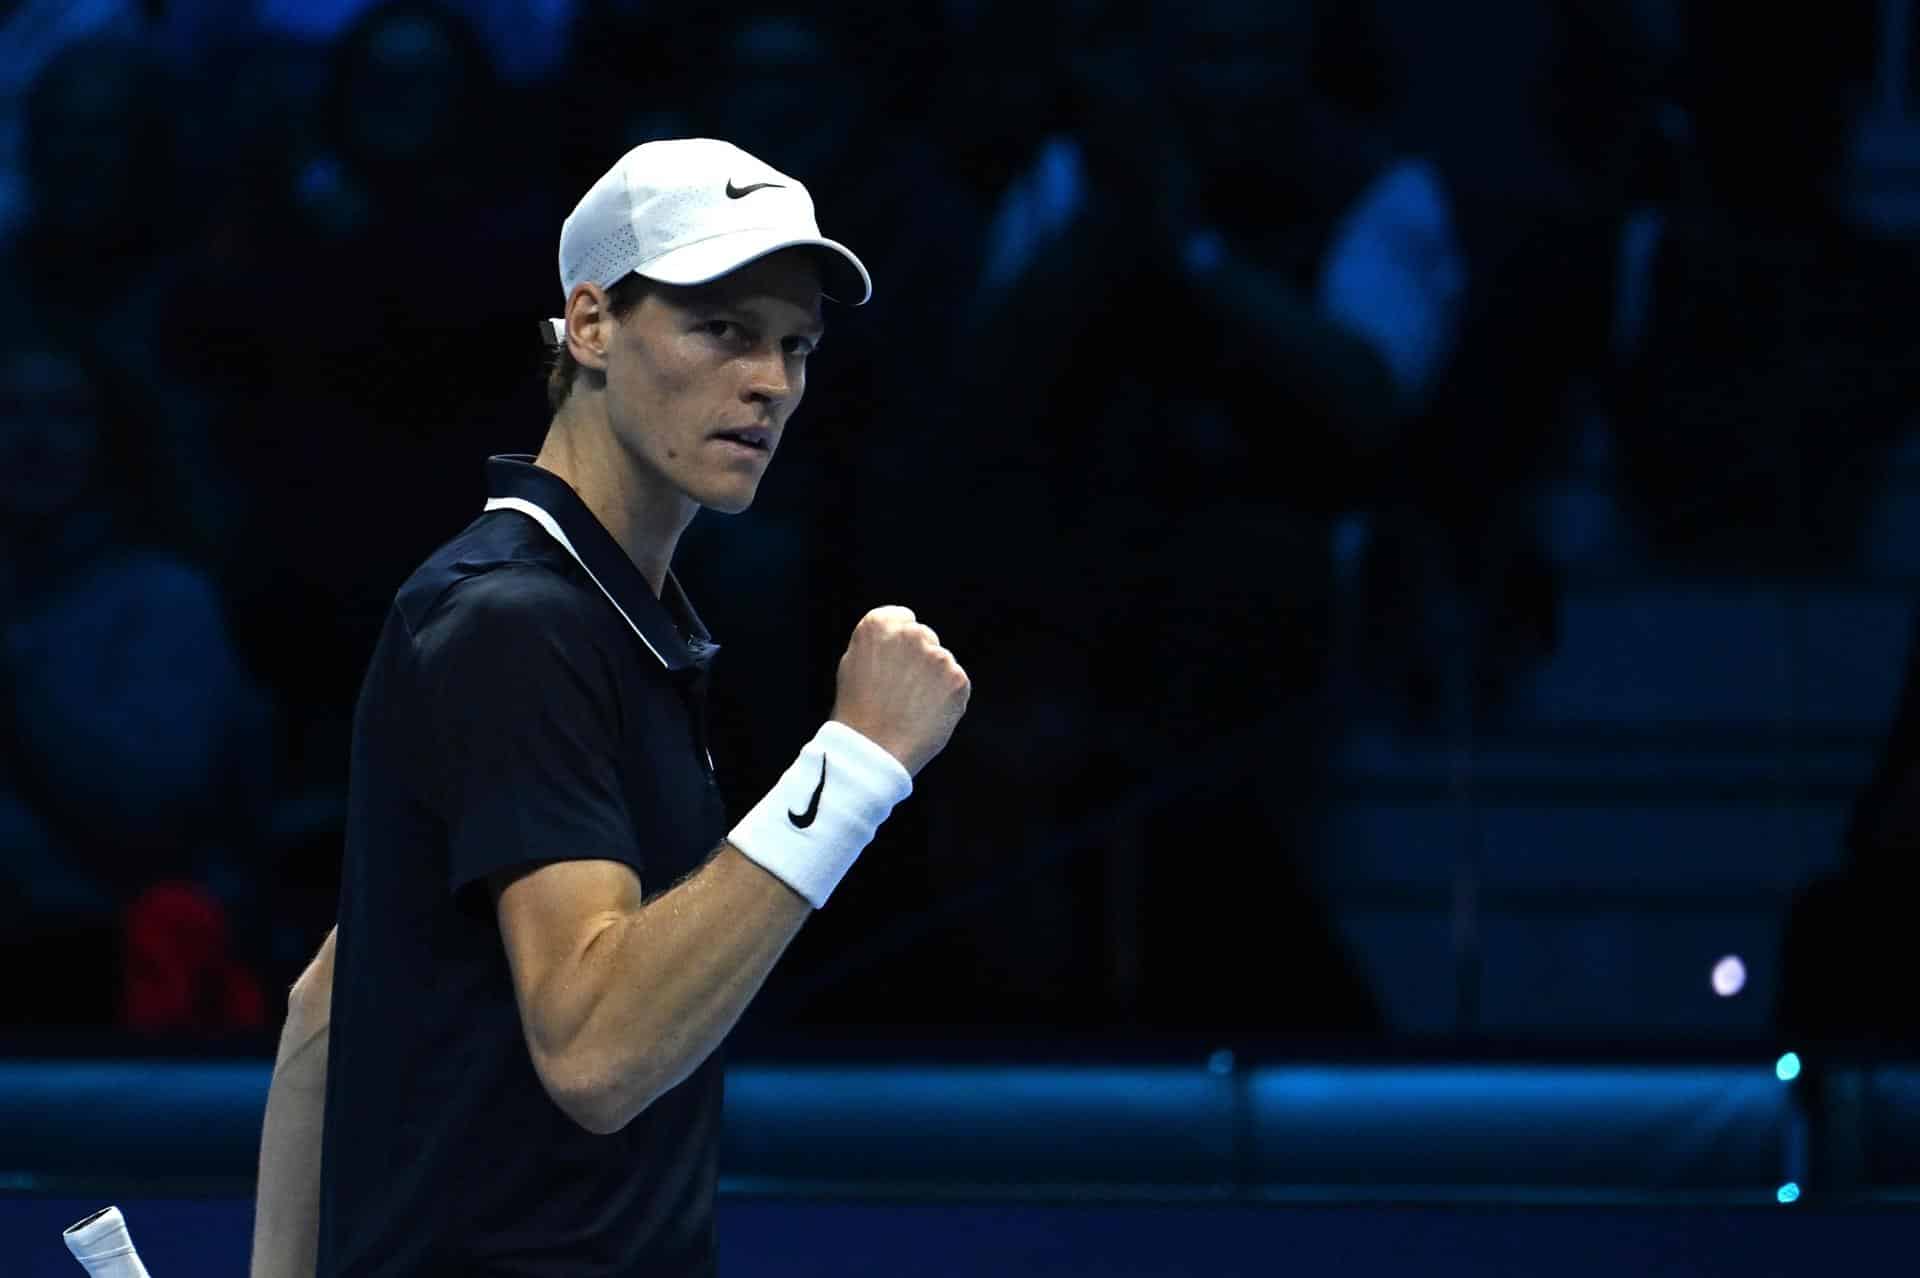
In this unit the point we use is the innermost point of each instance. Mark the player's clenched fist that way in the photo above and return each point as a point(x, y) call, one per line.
point(899, 688)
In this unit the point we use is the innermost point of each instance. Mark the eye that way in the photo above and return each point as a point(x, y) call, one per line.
point(801, 346)
point(719, 328)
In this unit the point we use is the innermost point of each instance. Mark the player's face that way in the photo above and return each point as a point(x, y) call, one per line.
point(701, 380)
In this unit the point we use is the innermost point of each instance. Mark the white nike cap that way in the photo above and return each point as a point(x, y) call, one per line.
point(689, 210)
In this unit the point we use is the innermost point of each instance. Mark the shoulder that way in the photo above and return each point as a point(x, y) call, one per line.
point(518, 646)
point(512, 592)
point(505, 612)
point(501, 571)
point(516, 609)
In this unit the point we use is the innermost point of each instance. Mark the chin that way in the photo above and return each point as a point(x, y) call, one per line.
point(729, 503)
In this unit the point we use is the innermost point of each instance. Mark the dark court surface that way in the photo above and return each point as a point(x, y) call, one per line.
point(760, 1238)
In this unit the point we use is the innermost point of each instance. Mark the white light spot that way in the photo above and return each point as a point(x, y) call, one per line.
point(1729, 976)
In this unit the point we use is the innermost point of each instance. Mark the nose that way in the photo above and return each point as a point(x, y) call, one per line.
point(770, 380)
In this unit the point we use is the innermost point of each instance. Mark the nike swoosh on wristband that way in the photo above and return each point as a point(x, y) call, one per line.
point(801, 820)
point(735, 192)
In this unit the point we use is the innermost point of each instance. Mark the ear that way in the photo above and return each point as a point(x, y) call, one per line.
point(589, 325)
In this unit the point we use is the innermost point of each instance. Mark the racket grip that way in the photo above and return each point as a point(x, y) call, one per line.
point(102, 1246)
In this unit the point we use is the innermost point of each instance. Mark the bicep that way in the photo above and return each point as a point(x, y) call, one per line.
point(550, 916)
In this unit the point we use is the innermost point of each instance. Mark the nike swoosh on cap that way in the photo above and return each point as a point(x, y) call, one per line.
point(735, 192)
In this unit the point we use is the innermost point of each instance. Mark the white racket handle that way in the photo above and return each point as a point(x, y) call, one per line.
point(101, 1244)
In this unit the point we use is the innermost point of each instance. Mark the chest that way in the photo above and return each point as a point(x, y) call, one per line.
point(666, 776)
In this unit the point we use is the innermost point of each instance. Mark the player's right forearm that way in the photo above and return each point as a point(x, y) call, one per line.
point(286, 1214)
point(649, 990)
point(655, 991)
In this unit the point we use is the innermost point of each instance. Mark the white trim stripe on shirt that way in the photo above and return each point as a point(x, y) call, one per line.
point(548, 522)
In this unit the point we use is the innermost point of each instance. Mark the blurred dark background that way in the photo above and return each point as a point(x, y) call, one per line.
point(1426, 494)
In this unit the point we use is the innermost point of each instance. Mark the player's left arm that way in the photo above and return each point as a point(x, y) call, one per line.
point(286, 1213)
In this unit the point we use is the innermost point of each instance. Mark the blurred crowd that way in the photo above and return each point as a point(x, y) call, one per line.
point(1214, 377)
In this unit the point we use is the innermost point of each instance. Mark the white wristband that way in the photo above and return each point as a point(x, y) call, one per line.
point(822, 811)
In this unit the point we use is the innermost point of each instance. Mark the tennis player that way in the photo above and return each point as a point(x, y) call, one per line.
point(546, 927)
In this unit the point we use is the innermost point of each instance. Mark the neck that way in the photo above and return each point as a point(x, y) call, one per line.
point(645, 514)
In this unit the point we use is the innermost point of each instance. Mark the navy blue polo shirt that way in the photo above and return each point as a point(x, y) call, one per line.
point(522, 706)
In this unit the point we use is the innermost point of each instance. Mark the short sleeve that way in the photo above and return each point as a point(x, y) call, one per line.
point(520, 692)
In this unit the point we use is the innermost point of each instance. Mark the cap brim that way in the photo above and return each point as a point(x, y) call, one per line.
point(844, 278)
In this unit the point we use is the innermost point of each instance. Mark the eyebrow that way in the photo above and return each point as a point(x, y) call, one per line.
point(814, 330)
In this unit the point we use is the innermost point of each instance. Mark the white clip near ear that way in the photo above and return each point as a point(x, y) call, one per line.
point(558, 328)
